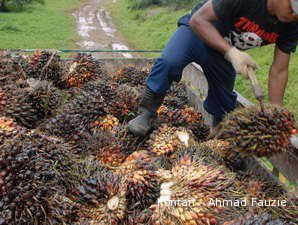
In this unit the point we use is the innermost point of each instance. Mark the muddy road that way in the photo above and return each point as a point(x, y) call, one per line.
point(96, 30)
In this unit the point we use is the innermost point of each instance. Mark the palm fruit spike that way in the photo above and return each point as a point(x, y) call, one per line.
point(112, 207)
point(253, 132)
point(83, 69)
point(167, 140)
point(142, 188)
point(45, 65)
point(132, 75)
point(251, 219)
point(38, 172)
point(194, 183)
point(8, 129)
point(105, 123)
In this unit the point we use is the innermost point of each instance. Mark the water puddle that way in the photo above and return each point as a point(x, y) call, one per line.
point(102, 17)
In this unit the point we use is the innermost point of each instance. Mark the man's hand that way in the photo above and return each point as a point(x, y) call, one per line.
point(241, 61)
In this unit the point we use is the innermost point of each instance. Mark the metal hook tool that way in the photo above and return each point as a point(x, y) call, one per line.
point(258, 92)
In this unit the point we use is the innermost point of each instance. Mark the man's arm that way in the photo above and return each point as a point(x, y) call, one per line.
point(278, 76)
point(201, 24)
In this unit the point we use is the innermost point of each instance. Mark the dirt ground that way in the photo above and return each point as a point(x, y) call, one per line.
point(96, 30)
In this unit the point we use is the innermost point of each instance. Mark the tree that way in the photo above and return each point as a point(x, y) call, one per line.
point(4, 4)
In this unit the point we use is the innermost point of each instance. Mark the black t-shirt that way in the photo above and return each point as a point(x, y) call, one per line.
point(247, 24)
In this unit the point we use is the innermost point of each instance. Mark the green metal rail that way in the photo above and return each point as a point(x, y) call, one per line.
point(84, 50)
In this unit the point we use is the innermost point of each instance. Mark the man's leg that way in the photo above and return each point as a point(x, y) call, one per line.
point(221, 76)
point(183, 48)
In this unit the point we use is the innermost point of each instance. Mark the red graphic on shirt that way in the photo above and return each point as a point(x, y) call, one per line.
point(245, 24)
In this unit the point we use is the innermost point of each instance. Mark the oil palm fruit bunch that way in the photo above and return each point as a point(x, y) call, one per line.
point(83, 69)
point(177, 96)
point(252, 219)
point(45, 96)
point(8, 129)
point(11, 68)
point(148, 160)
point(22, 109)
point(75, 116)
point(90, 143)
point(139, 155)
point(37, 173)
point(260, 188)
point(209, 151)
point(187, 117)
point(111, 155)
point(91, 188)
point(131, 75)
point(184, 116)
point(253, 132)
point(104, 146)
point(45, 65)
point(129, 166)
point(3, 100)
point(129, 95)
point(30, 102)
point(201, 131)
point(105, 123)
point(130, 143)
point(111, 208)
point(109, 93)
point(125, 102)
point(193, 183)
point(167, 140)
point(143, 187)
point(106, 88)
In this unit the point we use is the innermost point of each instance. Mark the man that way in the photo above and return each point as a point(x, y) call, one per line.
point(215, 36)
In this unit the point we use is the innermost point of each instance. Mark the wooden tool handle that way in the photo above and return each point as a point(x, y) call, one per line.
point(255, 84)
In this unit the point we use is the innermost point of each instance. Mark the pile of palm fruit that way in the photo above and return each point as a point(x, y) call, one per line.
point(66, 156)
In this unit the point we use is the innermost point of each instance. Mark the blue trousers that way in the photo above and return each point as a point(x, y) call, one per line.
point(185, 47)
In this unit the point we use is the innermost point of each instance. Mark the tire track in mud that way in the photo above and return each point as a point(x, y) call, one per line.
point(97, 31)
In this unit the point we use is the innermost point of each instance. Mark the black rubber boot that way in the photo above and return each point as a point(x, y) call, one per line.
point(216, 121)
point(142, 124)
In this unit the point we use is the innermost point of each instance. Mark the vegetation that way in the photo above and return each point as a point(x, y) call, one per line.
point(6, 5)
point(39, 26)
point(150, 28)
point(141, 4)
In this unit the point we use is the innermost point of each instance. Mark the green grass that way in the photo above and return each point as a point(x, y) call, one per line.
point(151, 28)
point(47, 26)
